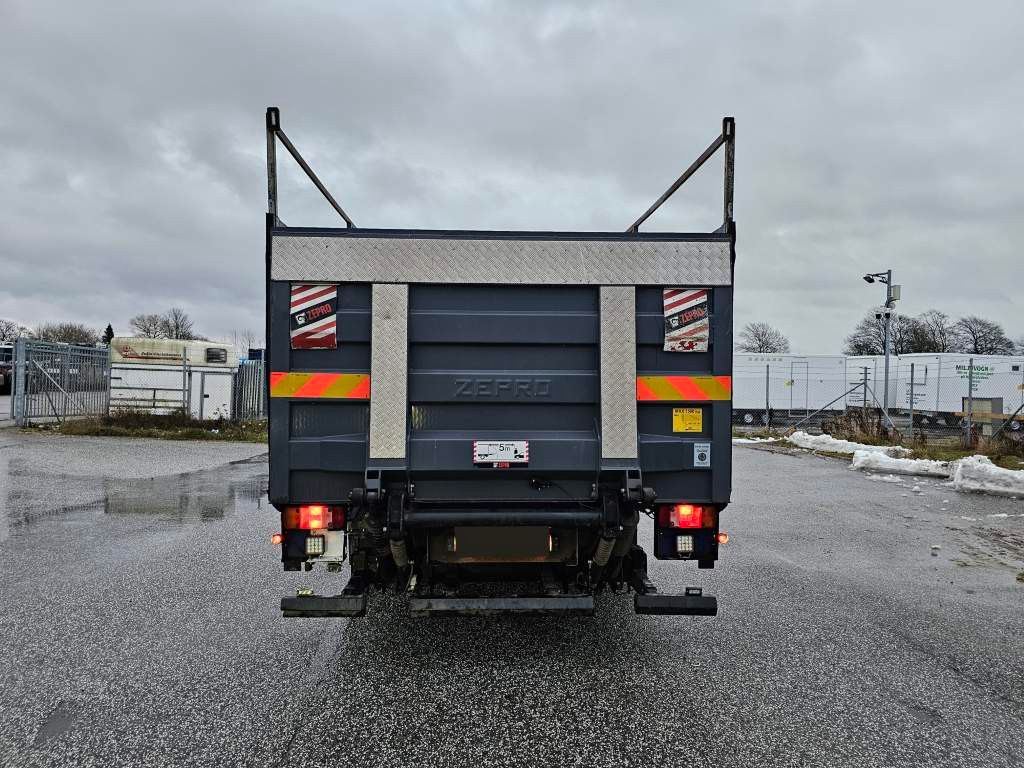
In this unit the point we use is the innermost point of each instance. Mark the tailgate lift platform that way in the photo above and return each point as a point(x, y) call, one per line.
point(402, 395)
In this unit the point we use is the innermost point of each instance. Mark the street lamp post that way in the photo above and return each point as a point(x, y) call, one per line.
point(892, 294)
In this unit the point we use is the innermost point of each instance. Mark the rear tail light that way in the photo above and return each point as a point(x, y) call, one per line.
point(313, 517)
point(685, 516)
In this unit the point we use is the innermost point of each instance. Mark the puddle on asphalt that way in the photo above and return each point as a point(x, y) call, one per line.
point(195, 496)
point(27, 499)
point(59, 720)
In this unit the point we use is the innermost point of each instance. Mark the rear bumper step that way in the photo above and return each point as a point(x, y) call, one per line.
point(655, 603)
point(581, 605)
point(317, 607)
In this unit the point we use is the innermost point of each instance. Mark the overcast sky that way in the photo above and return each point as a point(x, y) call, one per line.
point(869, 136)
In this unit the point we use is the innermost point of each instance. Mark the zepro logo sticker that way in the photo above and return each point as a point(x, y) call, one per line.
point(687, 325)
point(314, 316)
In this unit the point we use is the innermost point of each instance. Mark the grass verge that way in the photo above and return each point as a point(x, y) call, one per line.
point(171, 426)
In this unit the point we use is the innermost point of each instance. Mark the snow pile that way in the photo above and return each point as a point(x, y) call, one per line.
point(829, 443)
point(885, 479)
point(980, 475)
point(879, 462)
point(742, 440)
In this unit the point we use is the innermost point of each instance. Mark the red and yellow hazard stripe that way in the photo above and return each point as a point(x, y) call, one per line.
point(354, 386)
point(684, 388)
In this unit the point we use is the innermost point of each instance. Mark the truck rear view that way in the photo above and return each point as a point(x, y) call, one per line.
point(451, 409)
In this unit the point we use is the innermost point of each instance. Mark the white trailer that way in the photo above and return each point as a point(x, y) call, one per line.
point(791, 386)
point(165, 375)
point(940, 384)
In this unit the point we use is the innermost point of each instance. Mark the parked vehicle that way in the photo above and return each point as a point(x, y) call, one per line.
point(790, 387)
point(455, 407)
point(165, 375)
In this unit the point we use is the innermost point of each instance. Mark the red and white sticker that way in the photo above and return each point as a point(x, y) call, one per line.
point(687, 325)
point(314, 316)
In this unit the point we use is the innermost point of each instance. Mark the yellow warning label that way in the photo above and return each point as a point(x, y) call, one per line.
point(687, 420)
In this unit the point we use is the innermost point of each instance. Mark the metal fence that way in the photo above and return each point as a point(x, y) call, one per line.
point(203, 392)
point(54, 382)
point(249, 391)
point(943, 399)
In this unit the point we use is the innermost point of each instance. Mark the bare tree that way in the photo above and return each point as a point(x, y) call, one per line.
point(246, 339)
point(176, 324)
point(869, 335)
point(762, 337)
point(10, 330)
point(933, 331)
point(147, 326)
point(67, 333)
point(172, 324)
point(978, 336)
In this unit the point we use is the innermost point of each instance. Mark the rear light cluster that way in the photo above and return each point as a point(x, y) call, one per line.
point(313, 517)
point(686, 516)
point(304, 529)
point(688, 531)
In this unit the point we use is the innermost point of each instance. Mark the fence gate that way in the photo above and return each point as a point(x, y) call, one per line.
point(54, 382)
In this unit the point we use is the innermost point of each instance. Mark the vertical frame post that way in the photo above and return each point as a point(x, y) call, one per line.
point(969, 429)
point(18, 400)
point(911, 400)
point(729, 133)
point(185, 398)
point(273, 124)
point(864, 408)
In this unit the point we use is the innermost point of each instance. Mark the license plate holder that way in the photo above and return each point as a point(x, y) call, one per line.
point(501, 453)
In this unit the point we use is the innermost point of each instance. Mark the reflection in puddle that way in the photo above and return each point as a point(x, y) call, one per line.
point(195, 496)
point(28, 498)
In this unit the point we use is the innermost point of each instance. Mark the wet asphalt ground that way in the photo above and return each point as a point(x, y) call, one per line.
point(140, 627)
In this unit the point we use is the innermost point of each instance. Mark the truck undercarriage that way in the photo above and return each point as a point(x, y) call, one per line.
point(553, 559)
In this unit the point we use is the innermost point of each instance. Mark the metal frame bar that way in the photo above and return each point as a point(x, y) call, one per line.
point(726, 137)
point(274, 133)
point(847, 393)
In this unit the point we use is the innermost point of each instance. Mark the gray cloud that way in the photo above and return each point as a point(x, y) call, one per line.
point(869, 136)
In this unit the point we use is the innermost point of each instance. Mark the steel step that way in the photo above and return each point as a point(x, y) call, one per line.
point(319, 607)
point(657, 604)
point(581, 605)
